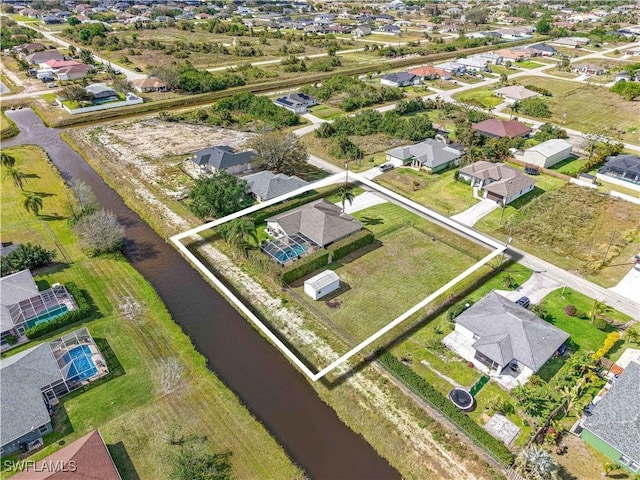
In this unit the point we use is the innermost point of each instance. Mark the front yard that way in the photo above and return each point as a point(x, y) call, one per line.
point(440, 191)
point(375, 290)
point(479, 97)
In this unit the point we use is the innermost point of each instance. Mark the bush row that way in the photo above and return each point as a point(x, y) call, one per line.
point(320, 258)
point(83, 311)
point(440, 402)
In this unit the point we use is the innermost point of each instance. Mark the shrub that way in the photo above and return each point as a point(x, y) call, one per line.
point(83, 311)
point(570, 310)
point(457, 309)
point(600, 323)
point(305, 266)
point(27, 256)
point(541, 90)
point(428, 393)
point(534, 107)
point(609, 342)
point(350, 244)
point(11, 339)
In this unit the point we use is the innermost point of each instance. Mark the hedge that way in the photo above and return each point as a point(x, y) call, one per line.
point(437, 400)
point(350, 244)
point(305, 266)
point(83, 311)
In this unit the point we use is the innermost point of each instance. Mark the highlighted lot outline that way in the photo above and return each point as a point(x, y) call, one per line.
point(332, 180)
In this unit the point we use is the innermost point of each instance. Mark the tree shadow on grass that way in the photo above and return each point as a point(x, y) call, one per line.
point(368, 221)
point(123, 461)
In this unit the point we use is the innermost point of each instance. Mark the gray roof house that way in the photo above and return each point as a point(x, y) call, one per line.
point(101, 91)
point(266, 185)
point(296, 102)
point(32, 381)
point(430, 154)
point(504, 338)
point(23, 306)
point(613, 425)
point(625, 168)
point(223, 157)
point(320, 221)
point(400, 79)
point(499, 182)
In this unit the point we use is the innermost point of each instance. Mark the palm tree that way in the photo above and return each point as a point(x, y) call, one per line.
point(242, 234)
point(596, 310)
point(503, 78)
point(32, 203)
point(536, 464)
point(17, 176)
point(8, 160)
point(346, 195)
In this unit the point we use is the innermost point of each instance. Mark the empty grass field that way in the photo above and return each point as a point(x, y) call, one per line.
point(480, 97)
point(376, 290)
point(588, 108)
point(440, 192)
point(137, 408)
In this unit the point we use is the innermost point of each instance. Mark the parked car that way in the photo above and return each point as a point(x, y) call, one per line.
point(52, 85)
point(385, 167)
point(523, 302)
point(138, 69)
point(47, 79)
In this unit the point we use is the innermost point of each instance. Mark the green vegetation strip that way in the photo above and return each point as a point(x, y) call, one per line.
point(437, 400)
point(8, 128)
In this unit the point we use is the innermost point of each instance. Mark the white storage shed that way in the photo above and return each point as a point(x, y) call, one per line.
point(548, 153)
point(322, 284)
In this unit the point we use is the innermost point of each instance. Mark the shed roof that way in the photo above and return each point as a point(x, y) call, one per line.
point(322, 279)
point(551, 147)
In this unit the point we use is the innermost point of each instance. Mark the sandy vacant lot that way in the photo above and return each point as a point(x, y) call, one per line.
point(155, 138)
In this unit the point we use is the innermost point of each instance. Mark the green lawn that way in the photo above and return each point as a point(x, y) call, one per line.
point(500, 69)
point(440, 191)
point(570, 166)
point(588, 108)
point(528, 64)
point(133, 411)
point(376, 290)
point(586, 336)
point(326, 112)
point(7, 127)
point(482, 97)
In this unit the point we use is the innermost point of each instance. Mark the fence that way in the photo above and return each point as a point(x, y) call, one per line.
point(553, 173)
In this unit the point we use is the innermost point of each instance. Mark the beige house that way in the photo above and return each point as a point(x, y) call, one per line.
point(497, 181)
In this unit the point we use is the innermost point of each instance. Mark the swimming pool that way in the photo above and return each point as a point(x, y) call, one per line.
point(47, 317)
point(288, 253)
point(82, 365)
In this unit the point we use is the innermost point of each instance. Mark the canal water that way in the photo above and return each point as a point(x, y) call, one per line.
point(273, 390)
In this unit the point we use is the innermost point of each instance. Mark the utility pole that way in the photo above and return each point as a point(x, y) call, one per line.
point(604, 259)
point(506, 245)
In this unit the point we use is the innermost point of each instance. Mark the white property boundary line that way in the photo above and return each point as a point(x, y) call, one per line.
point(333, 179)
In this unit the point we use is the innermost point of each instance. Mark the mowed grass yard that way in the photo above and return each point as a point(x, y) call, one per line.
point(480, 97)
point(440, 191)
point(572, 227)
point(403, 268)
point(589, 108)
point(132, 410)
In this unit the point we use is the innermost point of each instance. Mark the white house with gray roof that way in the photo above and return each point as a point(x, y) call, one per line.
point(497, 181)
point(613, 427)
point(504, 339)
point(222, 157)
point(32, 381)
point(430, 154)
point(266, 185)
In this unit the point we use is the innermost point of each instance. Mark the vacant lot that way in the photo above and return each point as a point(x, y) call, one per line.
point(572, 227)
point(588, 108)
point(137, 408)
point(375, 290)
point(439, 192)
point(480, 97)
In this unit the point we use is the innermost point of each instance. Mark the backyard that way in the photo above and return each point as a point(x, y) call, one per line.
point(131, 320)
point(440, 191)
point(479, 97)
point(588, 108)
point(373, 290)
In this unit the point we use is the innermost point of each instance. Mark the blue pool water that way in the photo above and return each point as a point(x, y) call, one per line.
point(83, 366)
point(288, 253)
point(47, 317)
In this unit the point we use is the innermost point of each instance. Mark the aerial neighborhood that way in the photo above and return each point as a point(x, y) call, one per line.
point(349, 239)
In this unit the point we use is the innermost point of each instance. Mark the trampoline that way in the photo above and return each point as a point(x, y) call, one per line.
point(462, 399)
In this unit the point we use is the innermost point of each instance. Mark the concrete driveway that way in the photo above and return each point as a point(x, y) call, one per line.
point(536, 288)
point(362, 201)
point(471, 215)
point(629, 286)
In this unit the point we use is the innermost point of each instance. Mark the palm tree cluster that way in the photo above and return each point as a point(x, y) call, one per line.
point(32, 202)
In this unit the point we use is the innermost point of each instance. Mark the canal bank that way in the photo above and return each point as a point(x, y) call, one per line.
point(271, 388)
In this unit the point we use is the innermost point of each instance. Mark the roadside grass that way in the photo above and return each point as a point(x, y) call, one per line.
point(572, 227)
point(607, 187)
point(13, 88)
point(132, 408)
point(481, 97)
point(375, 291)
point(528, 64)
point(440, 191)
point(8, 128)
point(583, 333)
point(588, 108)
point(500, 69)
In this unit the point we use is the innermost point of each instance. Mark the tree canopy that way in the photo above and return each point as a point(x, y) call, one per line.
point(219, 195)
point(280, 152)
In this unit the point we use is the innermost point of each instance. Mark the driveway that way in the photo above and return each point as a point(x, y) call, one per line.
point(471, 215)
point(629, 286)
point(362, 201)
point(536, 288)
